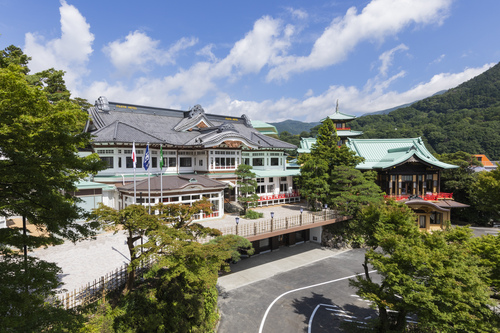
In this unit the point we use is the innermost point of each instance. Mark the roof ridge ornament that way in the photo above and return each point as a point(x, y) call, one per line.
point(225, 127)
point(102, 104)
point(247, 121)
point(337, 107)
point(196, 111)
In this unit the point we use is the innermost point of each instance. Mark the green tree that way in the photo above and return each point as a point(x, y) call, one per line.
point(461, 182)
point(247, 186)
point(39, 168)
point(317, 168)
point(487, 192)
point(135, 221)
point(236, 244)
point(434, 276)
point(14, 55)
point(52, 83)
point(487, 248)
point(350, 190)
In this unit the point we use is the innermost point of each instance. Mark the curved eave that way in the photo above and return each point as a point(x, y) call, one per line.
point(415, 203)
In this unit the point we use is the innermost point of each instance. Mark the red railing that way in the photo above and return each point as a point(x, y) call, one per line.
point(278, 196)
point(343, 129)
point(429, 197)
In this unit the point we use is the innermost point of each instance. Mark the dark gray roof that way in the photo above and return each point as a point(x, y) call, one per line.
point(128, 123)
point(171, 183)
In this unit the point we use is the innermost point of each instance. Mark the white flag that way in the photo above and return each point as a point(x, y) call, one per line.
point(134, 157)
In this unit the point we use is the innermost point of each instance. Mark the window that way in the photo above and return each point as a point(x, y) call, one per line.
point(271, 179)
point(108, 161)
point(200, 162)
point(270, 188)
point(258, 162)
point(105, 151)
point(283, 187)
point(119, 162)
point(421, 221)
point(283, 179)
point(338, 125)
point(128, 163)
point(185, 162)
point(139, 162)
point(260, 189)
point(260, 180)
point(436, 218)
point(154, 162)
point(246, 161)
point(172, 162)
point(275, 161)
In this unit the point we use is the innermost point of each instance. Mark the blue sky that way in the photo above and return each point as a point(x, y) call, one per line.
point(272, 60)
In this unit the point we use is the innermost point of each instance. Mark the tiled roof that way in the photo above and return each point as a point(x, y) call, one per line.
point(128, 123)
point(171, 183)
point(386, 153)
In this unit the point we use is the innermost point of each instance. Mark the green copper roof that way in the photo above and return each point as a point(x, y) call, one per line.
point(306, 145)
point(264, 127)
point(386, 153)
point(276, 173)
point(348, 133)
point(339, 116)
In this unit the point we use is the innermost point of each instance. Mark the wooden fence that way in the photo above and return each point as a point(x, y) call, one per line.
point(96, 290)
point(249, 229)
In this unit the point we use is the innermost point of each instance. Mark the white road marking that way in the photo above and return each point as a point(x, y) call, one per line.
point(298, 289)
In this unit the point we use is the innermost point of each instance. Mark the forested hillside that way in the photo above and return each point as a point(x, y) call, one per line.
point(466, 118)
point(294, 126)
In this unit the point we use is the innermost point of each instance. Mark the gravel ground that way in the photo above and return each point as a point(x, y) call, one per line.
point(89, 260)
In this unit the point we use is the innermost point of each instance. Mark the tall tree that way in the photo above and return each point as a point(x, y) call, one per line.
point(39, 168)
point(434, 276)
point(247, 186)
point(487, 192)
point(15, 56)
point(317, 168)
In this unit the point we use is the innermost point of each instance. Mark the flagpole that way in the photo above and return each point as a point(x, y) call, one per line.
point(146, 166)
point(134, 161)
point(161, 174)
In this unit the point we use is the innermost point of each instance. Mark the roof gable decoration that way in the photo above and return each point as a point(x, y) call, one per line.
point(102, 104)
point(196, 118)
point(247, 121)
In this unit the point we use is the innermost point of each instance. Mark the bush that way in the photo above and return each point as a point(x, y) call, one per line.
point(252, 215)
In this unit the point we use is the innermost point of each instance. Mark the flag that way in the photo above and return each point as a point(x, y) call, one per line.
point(134, 157)
point(146, 158)
point(161, 157)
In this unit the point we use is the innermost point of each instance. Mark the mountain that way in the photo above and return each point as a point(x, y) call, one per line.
point(294, 126)
point(386, 111)
point(465, 118)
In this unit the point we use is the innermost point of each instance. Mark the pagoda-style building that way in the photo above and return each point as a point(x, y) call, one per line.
point(344, 132)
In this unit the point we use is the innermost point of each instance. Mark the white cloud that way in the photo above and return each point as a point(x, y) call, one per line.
point(438, 59)
point(387, 57)
point(138, 52)
point(352, 100)
point(378, 20)
point(70, 52)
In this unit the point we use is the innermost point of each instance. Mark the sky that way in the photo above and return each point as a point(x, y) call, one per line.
point(271, 60)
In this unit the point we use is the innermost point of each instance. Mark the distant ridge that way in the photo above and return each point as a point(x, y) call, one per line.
point(465, 118)
point(294, 126)
point(386, 111)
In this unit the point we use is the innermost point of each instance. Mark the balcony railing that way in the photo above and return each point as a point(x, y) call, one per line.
point(250, 229)
point(428, 197)
point(343, 129)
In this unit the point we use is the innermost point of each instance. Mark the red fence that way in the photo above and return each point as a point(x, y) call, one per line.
point(429, 197)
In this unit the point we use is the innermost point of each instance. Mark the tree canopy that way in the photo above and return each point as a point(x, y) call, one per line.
point(434, 276)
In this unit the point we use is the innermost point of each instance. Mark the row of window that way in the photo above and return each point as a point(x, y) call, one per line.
point(273, 161)
point(168, 162)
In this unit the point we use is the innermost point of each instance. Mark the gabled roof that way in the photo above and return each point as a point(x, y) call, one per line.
point(348, 133)
point(172, 183)
point(120, 132)
point(306, 145)
point(115, 122)
point(381, 154)
point(264, 127)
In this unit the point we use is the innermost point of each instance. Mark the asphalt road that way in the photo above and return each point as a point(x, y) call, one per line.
point(313, 298)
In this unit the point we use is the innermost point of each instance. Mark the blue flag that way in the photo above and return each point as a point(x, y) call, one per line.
point(146, 158)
